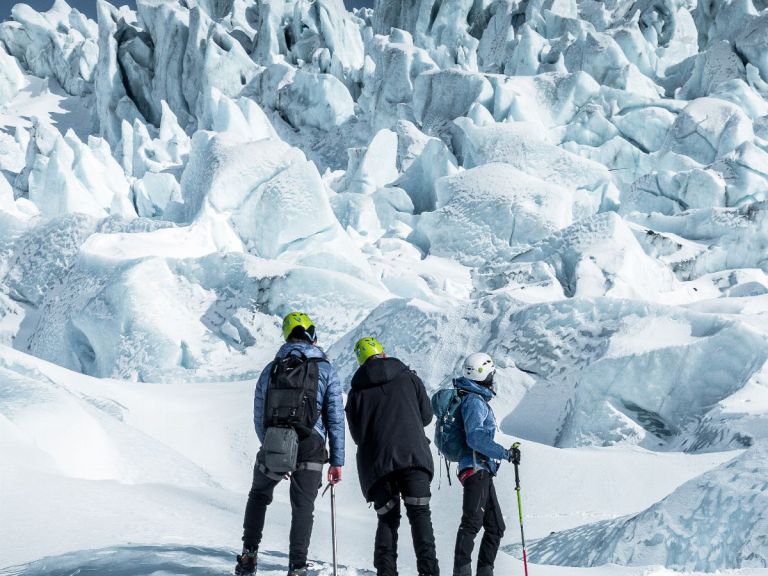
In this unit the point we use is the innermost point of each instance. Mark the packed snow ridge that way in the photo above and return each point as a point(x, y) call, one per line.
point(579, 188)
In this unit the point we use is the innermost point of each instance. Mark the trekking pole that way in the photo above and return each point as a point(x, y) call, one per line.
point(333, 522)
point(333, 525)
point(516, 445)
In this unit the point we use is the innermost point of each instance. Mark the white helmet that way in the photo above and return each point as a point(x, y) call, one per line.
point(478, 367)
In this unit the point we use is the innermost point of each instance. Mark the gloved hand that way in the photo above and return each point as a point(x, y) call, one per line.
point(334, 475)
point(513, 454)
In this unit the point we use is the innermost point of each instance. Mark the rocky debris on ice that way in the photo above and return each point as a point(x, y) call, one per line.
point(729, 238)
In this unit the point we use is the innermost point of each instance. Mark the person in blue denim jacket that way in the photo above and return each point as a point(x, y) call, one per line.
point(301, 340)
point(477, 467)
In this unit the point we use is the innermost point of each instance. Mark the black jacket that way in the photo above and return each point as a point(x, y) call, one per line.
point(387, 410)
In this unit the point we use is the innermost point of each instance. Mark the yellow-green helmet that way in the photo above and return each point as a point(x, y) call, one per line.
point(367, 347)
point(298, 320)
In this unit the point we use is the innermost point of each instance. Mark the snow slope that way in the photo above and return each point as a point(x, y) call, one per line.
point(179, 453)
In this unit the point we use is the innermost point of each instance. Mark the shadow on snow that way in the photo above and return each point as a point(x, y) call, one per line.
point(166, 560)
point(144, 561)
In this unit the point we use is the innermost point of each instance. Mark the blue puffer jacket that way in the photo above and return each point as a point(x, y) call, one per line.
point(330, 403)
point(480, 428)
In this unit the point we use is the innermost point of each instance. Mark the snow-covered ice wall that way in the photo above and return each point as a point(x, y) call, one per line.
point(578, 187)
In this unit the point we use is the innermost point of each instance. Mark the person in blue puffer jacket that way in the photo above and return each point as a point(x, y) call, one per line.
point(330, 402)
point(477, 467)
point(301, 339)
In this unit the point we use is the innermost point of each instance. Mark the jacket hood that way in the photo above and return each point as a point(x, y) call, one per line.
point(470, 386)
point(309, 350)
point(377, 371)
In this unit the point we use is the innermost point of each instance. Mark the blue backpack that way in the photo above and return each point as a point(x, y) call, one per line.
point(450, 439)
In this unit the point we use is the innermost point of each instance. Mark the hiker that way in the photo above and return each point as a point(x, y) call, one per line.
point(477, 466)
point(297, 403)
point(387, 410)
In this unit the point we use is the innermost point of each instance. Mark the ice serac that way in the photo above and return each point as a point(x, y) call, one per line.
point(180, 303)
point(65, 176)
point(60, 43)
point(272, 197)
point(714, 522)
point(709, 128)
point(44, 255)
point(490, 211)
point(11, 76)
point(113, 105)
point(373, 167)
point(521, 146)
point(395, 64)
point(731, 238)
point(316, 100)
point(421, 178)
point(613, 384)
point(320, 33)
point(442, 96)
point(600, 256)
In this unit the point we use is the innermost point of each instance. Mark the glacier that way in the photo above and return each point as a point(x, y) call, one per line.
point(579, 188)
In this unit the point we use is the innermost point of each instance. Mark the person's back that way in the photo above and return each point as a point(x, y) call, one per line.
point(387, 410)
point(477, 468)
point(297, 406)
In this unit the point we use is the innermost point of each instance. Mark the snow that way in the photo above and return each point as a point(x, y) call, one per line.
point(198, 427)
point(576, 187)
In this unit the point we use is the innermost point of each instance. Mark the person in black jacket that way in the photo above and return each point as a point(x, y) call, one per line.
point(387, 410)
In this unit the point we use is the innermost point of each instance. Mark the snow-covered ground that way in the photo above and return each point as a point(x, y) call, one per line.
point(145, 471)
point(578, 188)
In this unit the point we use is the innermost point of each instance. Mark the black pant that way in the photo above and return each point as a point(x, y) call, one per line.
point(304, 487)
point(413, 486)
point(480, 510)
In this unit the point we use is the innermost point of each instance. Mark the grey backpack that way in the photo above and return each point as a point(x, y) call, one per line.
point(290, 410)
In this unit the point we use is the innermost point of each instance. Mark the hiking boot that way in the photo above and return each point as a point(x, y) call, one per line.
point(246, 562)
point(485, 571)
point(465, 570)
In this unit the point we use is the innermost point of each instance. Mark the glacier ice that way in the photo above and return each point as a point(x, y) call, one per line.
point(704, 524)
point(489, 210)
point(577, 187)
point(614, 383)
